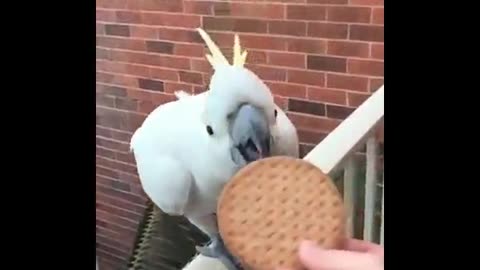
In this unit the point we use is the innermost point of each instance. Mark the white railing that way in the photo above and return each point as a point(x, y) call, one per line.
point(337, 153)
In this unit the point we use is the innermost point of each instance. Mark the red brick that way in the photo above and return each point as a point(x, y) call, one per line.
point(121, 43)
point(159, 46)
point(336, 2)
point(202, 65)
point(161, 98)
point(104, 132)
point(118, 4)
point(124, 195)
point(306, 45)
point(338, 112)
point(156, 5)
point(121, 136)
point(125, 104)
point(262, 42)
point(356, 99)
point(348, 48)
point(164, 74)
point(310, 136)
point(105, 15)
point(120, 202)
point(103, 152)
point(106, 172)
point(111, 90)
point(118, 185)
point(306, 77)
point(116, 79)
point(375, 84)
point(254, 10)
point(367, 33)
point(172, 87)
point(193, 50)
point(146, 106)
point(113, 144)
point(377, 51)
point(347, 82)
point(190, 77)
point(139, 94)
point(287, 90)
point(256, 57)
point(103, 100)
point(100, 29)
point(131, 69)
point(196, 7)
point(327, 30)
point(365, 67)
point(349, 14)
point(287, 59)
point(306, 12)
point(143, 32)
point(117, 30)
point(128, 17)
point(181, 35)
point(290, 28)
point(307, 107)
point(327, 63)
point(234, 24)
point(378, 16)
point(367, 2)
point(150, 59)
point(149, 84)
point(103, 53)
point(268, 73)
point(327, 95)
point(165, 19)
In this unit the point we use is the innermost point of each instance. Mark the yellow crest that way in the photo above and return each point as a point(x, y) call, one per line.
point(216, 57)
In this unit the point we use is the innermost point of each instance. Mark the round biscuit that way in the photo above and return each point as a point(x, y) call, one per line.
point(271, 205)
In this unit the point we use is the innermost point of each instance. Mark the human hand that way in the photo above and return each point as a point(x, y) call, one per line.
point(355, 255)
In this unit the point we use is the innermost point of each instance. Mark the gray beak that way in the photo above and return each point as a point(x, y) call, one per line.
point(250, 134)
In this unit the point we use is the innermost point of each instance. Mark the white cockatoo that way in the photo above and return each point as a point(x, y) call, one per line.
point(186, 150)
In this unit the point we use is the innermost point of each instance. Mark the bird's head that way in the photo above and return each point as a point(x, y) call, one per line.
point(239, 106)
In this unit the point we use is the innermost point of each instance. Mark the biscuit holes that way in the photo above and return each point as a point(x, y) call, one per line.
point(309, 202)
point(308, 227)
point(269, 223)
point(309, 215)
point(281, 236)
point(258, 198)
point(295, 238)
point(270, 235)
point(269, 212)
point(283, 212)
point(244, 222)
point(244, 210)
point(336, 203)
point(283, 201)
point(284, 189)
point(231, 208)
point(322, 192)
point(268, 248)
point(295, 226)
point(297, 200)
point(335, 229)
point(241, 246)
point(258, 209)
point(285, 178)
point(322, 240)
point(230, 233)
point(281, 262)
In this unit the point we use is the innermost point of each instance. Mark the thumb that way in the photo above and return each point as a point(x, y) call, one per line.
point(316, 258)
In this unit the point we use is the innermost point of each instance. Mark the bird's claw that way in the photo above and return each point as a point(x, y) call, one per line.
point(216, 249)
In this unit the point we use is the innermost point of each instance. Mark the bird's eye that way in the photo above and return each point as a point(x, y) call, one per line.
point(275, 113)
point(209, 130)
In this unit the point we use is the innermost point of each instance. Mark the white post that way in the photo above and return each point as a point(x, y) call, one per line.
point(349, 193)
point(370, 189)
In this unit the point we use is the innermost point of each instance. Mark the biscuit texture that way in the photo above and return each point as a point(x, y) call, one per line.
point(271, 205)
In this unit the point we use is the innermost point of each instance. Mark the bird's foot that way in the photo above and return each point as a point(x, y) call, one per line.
point(216, 249)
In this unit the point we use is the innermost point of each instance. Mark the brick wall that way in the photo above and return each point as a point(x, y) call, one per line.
point(321, 58)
